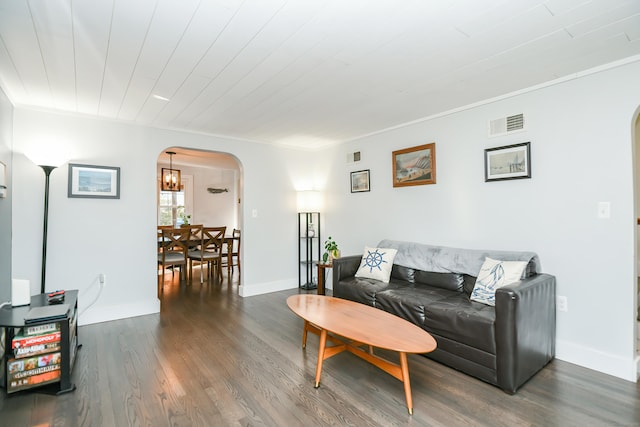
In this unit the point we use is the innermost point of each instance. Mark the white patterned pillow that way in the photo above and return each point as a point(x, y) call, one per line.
point(377, 263)
point(495, 274)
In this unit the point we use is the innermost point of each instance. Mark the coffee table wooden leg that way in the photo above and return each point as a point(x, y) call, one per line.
point(321, 346)
point(305, 329)
point(404, 367)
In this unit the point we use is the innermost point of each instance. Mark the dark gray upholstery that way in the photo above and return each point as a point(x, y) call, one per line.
point(503, 345)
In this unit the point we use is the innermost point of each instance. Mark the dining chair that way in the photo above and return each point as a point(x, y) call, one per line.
point(233, 251)
point(194, 239)
point(209, 251)
point(172, 249)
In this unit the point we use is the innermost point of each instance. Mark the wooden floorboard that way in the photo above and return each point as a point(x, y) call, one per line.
point(212, 358)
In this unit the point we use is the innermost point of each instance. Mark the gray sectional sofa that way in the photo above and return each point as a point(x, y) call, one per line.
point(430, 286)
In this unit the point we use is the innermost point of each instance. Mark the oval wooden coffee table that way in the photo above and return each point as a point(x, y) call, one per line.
point(353, 325)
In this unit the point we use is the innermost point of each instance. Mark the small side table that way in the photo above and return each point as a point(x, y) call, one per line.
point(321, 275)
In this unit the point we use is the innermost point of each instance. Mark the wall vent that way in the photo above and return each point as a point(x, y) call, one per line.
point(353, 157)
point(506, 125)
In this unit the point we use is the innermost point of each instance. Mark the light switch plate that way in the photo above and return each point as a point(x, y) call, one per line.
point(604, 210)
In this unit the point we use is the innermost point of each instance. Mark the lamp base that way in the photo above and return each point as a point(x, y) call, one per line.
point(309, 286)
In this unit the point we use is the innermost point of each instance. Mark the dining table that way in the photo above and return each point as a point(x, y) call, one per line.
point(227, 239)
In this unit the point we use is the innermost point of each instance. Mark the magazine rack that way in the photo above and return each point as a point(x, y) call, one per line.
point(39, 351)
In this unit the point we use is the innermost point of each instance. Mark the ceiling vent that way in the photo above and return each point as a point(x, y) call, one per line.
point(506, 125)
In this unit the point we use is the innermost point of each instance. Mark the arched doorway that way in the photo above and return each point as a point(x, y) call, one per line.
point(212, 186)
point(210, 192)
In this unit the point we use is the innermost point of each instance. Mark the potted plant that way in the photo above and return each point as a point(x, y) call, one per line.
point(331, 250)
point(185, 219)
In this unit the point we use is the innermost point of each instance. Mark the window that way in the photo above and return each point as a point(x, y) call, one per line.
point(170, 207)
point(173, 205)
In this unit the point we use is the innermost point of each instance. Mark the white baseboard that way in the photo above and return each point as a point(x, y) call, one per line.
point(120, 311)
point(265, 288)
point(610, 364)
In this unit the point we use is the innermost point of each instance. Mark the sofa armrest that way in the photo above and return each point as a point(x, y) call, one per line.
point(345, 266)
point(525, 329)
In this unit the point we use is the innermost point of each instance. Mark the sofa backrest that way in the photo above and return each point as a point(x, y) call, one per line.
point(441, 259)
point(450, 281)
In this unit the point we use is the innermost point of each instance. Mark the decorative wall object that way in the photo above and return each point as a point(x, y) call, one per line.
point(217, 190)
point(414, 166)
point(88, 181)
point(360, 181)
point(507, 162)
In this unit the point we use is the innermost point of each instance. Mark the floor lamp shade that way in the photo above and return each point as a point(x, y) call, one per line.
point(309, 201)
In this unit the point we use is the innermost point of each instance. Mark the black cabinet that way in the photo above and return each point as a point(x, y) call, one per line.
point(308, 248)
point(39, 351)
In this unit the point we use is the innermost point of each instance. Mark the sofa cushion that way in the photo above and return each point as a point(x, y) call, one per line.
point(464, 321)
point(444, 312)
point(450, 281)
point(410, 302)
point(376, 263)
point(495, 274)
point(469, 283)
point(403, 273)
point(364, 290)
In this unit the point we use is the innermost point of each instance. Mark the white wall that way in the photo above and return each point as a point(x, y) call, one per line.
point(117, 237)
point(214, 209)
point(637, 185)
point(6, 136)
point(581, 152)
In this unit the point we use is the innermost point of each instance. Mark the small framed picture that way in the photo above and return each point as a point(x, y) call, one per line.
point(88, 181)
point(415, 166)
point(507, 162)
point(360, 181)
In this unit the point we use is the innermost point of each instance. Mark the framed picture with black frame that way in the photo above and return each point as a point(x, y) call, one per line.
point(360, 181)
point(95, 182)
point(507, 162)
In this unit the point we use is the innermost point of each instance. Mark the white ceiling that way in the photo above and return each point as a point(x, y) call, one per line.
point(300, 72)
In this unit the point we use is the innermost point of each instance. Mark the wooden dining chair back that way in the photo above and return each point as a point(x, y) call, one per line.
point(195, 235)
point(234, 258)
point(209, 252)
point(172, 249)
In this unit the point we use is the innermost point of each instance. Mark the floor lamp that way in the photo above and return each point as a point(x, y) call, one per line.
point(47, 171)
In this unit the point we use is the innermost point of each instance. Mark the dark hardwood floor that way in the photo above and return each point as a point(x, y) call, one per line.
point(212, 358)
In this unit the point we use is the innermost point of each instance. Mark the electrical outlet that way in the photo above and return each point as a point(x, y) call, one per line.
point(562, 303)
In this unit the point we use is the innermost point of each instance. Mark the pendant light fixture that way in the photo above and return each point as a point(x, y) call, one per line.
point(171, 176)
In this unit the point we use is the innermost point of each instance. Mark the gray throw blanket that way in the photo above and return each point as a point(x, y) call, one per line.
point(441, 259)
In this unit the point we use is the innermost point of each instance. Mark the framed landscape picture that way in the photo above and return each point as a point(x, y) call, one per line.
point(88, 181)
point(507, 162)
point(360, 181)
point(414, 166)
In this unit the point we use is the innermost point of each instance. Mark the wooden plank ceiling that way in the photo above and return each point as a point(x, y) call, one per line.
point(306, 73)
